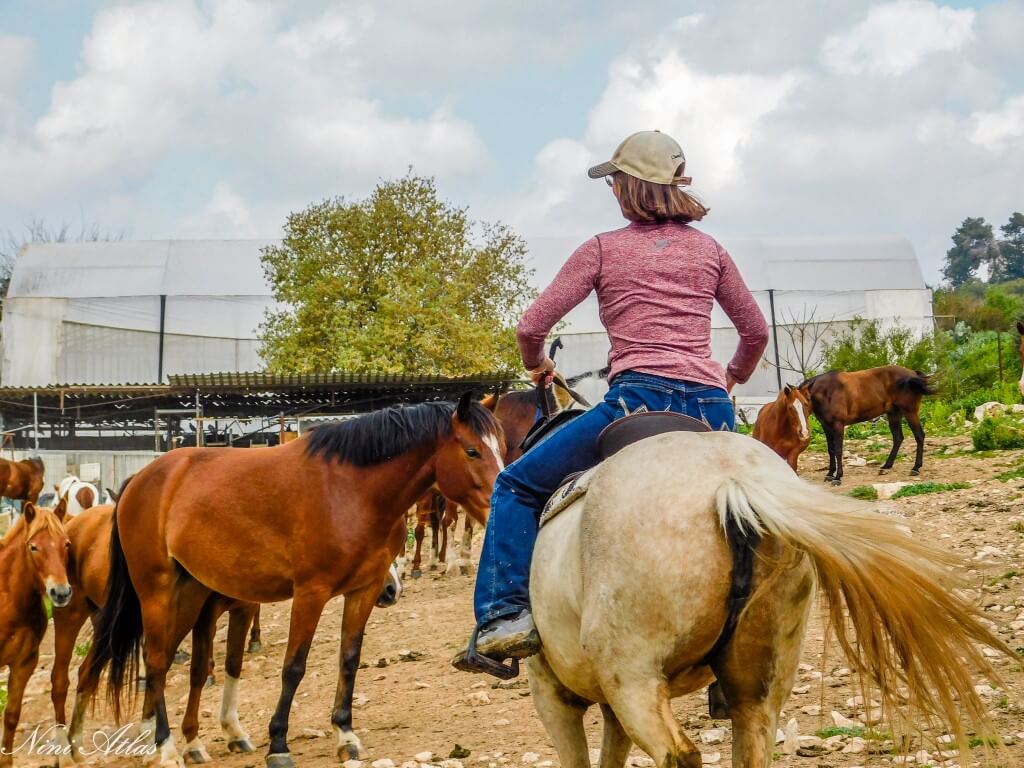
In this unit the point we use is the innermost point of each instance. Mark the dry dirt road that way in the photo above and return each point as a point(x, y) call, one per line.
point(409, 707)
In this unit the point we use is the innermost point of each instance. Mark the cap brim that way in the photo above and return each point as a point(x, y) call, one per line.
point(604, 169)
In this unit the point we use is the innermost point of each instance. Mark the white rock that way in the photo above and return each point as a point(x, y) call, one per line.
point(383, 763)
point(792, 740)
point(502, 722)
point(855, 745)
point(811, 709)
point(809, 741)
point(640, 761)
point(713, 736)
point(780, 735)
point(801, 689)
point(420, 684)
point(886, 490)
point(711, 758)
point(451, 763)
point(425, 757)
point(834, 743)
point(478, 699)
point(410, 764)
point(352, 764)
point(529, 758)
point(853, 460)
point(988, 410)
point(843, 722)
point(595, 756)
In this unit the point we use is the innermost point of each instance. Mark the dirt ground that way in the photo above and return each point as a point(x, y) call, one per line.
point(409, 707)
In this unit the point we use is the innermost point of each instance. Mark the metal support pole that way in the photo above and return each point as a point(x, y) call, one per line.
point(35, 419)
point(775, 337)
point(200, 437)
point(160, 353)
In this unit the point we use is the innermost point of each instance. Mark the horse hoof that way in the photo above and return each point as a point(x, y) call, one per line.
point(241, 746)
point(829, 478)
point(255, 646)
point(351, 752)
point(836, 482)
point(196, 756)
point(416, 574)
point(884, 470)
point(211, 681)
point(280, 760)
point(915, 472)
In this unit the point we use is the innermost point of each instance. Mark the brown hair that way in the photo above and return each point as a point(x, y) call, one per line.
point(646, 201)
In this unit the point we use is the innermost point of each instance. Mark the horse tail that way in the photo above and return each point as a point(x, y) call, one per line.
point(911, 632)
point(920, 384)
point(118, 633)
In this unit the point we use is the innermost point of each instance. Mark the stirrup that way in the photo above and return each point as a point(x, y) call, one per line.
point(472, 660)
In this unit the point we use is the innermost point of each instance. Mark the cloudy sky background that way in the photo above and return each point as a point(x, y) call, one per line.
point(214, 118)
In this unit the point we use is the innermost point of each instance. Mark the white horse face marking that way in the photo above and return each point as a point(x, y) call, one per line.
point(392, 590)
point(798, 408)
point(492, 442)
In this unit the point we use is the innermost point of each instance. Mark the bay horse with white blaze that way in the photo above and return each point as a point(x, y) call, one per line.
point(839, 399)
point(22, 479)
point(308, 520)
point(715, 519)
point(782, 424)
point(33, 564)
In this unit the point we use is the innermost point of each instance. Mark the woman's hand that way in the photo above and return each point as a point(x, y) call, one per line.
point(545, 370)
point(730, 382)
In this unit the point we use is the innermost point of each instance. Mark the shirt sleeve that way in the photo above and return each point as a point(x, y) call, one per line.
point(735, 298)
point(573, 283)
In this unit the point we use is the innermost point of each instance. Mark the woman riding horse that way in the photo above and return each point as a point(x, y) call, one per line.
point(656, 281)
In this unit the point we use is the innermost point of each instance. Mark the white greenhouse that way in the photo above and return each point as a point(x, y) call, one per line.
point(137, 312)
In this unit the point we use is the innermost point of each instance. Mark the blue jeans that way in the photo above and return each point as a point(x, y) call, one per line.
point(522, 489)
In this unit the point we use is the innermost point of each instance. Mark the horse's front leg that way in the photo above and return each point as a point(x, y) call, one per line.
point(357, 610)
point(21, 671)
point(307, 605)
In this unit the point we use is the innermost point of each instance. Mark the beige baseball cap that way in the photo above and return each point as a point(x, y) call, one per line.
point(648, 155)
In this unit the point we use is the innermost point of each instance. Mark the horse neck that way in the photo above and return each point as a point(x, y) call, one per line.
point(394, 486)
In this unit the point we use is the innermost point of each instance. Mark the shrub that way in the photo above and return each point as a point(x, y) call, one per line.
point(865, 492)
point(998, 433)
point(867, 344)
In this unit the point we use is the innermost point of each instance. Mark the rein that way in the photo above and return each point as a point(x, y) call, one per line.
point(542, 401)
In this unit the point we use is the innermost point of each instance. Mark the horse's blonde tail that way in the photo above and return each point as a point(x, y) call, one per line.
point(913, 636)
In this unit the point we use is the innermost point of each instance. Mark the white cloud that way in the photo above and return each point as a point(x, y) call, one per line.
point(996, 129)
point(16, 55)
point(895, 37)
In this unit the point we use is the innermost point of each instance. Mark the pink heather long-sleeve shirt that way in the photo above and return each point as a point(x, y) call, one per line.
point(656, 285)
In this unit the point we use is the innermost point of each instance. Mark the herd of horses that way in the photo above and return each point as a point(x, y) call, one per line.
point(198, 533)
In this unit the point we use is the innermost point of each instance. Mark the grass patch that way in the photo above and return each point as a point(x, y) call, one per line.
point(917, 489)
point(865, 492)
point(49, 608)
point(840, 730)
point(1005, 577)
point(1017, 527)
point(3, 697)
point(81, 649)
point(1011, 474)
point(977, 741)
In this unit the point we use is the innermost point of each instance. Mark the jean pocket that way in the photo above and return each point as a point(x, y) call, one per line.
point(637, 398)
point(717, 412)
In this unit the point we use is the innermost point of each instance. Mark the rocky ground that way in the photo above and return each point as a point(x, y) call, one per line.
point(414, 708)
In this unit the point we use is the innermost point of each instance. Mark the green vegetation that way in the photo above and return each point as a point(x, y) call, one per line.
point(459, 752)
point(1017, 527)
point(49, 608)
point(998, 433)
point(917, 489)
point(81, 649)
point(866, 344)
point(3, 697)
point(1012, 474)
point(840, 730)
point(977, 741)
point(1005, 577)
point(865, 492)
point(400, 282)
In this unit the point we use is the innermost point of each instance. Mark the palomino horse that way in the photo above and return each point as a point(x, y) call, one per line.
point(197, 521)
point(1020, 330)
point(33, 563)
point(633, 622)
point(841, 399)
point(90, 569)
point(782, 424)
point(21, 479)
point(80, 495)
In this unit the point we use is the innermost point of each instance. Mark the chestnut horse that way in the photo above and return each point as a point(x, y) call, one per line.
point(782, 424)
point(307, 520)
point(33, 564)
point(22, 479)
point(839, 399)
point(430, 510)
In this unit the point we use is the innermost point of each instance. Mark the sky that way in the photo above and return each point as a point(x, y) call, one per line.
point(215, 118)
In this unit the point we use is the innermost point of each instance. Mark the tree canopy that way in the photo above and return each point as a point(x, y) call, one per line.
point(975, 245)
point(401, 282)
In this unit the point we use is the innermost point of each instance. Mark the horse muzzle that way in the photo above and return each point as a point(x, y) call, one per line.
point(60, 595)
point(392, 589)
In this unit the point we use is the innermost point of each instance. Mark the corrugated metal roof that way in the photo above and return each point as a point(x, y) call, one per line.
point(258, 380)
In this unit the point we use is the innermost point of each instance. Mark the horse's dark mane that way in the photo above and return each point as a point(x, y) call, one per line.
point(382, 435)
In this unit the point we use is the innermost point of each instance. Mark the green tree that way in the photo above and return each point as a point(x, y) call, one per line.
point(974, 244)
point(400, 282)
point(867, 344)
point(1010, 262)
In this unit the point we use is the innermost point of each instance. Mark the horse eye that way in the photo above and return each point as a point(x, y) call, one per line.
point(473, 453)
point(67, 545)
point(33, 548)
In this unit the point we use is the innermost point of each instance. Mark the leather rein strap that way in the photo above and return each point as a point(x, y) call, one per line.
point(542, 400)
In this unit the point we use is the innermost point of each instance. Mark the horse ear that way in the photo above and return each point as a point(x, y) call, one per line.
point(788, 390)
point(1020, 328)
point(61, 510)
point(490, 402)
point(29, 512)
point(462, 410)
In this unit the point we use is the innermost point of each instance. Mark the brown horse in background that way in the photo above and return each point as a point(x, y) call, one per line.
point(22, 479)
point(199, 521)
point(33, 564)
point(89, 533)
point(782, 424)
point(839, 399)
point(430, 511)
